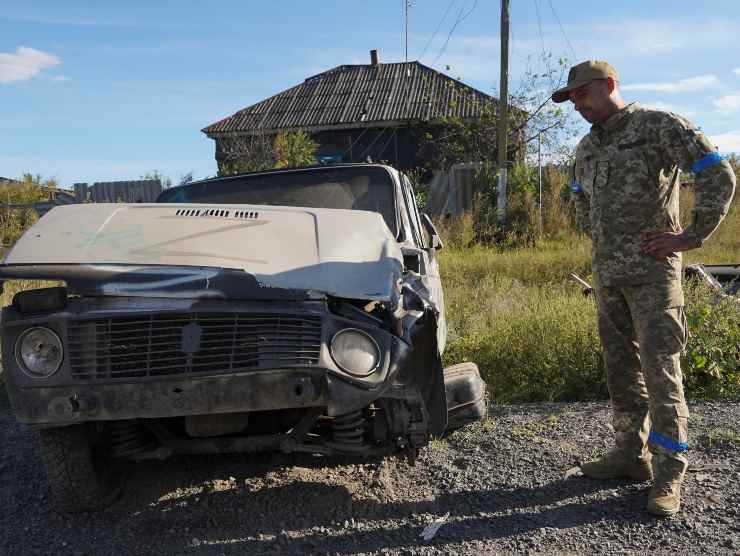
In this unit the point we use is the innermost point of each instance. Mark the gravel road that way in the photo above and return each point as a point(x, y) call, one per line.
point(504, 486)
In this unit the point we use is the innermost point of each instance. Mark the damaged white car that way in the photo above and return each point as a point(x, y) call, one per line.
point(291, 310)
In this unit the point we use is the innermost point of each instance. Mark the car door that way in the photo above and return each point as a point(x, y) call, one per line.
point(429, 269)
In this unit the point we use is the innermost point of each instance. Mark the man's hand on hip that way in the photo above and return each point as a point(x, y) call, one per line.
point(662, 245)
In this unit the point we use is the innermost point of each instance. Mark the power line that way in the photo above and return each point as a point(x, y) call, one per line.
point(439, 25)
point(460, 19)
point(562, 30)
point(539, 24)
point(370, 146)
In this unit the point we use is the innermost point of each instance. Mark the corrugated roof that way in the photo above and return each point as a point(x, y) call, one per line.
point(359, 95)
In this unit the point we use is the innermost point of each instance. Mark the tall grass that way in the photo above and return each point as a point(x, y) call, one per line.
point(515, 312)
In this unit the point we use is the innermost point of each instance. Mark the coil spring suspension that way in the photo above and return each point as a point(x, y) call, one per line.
point(348, 429)
point(127, 440)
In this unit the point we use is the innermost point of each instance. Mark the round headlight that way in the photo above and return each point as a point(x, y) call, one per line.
point(355, 351)
point(39, 352)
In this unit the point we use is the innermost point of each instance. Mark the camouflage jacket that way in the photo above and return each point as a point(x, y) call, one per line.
point(626, 186)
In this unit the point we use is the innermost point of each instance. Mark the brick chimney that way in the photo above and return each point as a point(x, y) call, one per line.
point(374, 57)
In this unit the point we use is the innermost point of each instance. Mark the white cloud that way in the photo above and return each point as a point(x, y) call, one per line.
point(728, 103)
point(727, 142)
point(736, 71)
point(60, 78)
point(687, 85)
point(25, 64)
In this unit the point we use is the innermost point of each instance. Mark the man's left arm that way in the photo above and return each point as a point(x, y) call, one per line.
point(684, 146)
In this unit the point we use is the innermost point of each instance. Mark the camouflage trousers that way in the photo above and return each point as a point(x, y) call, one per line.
point(643, 331)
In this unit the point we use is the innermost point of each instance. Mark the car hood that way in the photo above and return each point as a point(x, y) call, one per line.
point(345, 253)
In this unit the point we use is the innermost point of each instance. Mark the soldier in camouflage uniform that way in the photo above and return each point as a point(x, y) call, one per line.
point(626, 188)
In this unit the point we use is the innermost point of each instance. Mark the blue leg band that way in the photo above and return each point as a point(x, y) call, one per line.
point(667, 443)
point(575, 187)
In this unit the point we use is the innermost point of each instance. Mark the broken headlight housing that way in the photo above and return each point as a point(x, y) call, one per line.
point(355, 351)
point(39, 352)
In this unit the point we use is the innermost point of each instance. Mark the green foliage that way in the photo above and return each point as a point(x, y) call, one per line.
point(255, 153)
point(14, 221)
point(523, 220)
point(711, 362)
point(420, 187)
point(241, 154)
point(531, 115)
point(294, 149)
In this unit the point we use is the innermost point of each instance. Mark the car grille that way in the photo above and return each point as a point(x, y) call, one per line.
point(175, 344)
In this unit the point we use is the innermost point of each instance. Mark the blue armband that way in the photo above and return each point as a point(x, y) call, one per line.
point(667, 443)
point(575, 187)
point(709, 160)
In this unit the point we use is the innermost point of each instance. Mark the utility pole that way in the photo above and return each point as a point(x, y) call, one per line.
point(407, 2)
point(503, 109)
point(539, 167)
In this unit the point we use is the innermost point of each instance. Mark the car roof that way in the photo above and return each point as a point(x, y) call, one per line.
point(315, 167)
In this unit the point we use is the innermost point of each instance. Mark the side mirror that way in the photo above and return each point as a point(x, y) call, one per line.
point(429, 226)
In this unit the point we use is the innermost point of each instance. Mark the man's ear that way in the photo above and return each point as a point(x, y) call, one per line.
point(611, 85)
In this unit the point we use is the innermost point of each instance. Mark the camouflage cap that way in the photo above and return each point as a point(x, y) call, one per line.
point(583, 73)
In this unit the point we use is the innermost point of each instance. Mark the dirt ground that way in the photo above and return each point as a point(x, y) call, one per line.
point(505, 485)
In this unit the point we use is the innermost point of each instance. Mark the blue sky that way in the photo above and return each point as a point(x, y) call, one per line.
point(93, 91)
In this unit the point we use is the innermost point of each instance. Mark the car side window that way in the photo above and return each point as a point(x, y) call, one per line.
point(408, 196)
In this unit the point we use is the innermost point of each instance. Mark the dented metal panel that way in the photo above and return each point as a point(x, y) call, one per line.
point(345, 253)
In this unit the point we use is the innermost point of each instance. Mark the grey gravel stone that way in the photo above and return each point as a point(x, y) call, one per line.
point(505, 491)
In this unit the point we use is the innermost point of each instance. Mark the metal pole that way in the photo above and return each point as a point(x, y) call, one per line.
point(539, 166)
point(407, 2)
point(503, 115)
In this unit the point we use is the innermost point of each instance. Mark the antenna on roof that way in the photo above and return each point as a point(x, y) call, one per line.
point(408, 5)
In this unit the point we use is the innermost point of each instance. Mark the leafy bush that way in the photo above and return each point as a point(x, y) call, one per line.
point(14, 221)
point(293, 149)
point(711, 362)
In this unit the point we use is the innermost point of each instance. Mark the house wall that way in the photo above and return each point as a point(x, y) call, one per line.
point(395, 145)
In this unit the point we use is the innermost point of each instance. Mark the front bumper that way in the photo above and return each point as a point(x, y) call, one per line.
point(67, 398)
point(254, 391)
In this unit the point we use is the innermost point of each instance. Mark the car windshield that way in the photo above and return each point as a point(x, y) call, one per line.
point(368, 188)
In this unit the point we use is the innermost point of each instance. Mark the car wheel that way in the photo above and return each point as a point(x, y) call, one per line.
point(80, 474)
point(467, 399)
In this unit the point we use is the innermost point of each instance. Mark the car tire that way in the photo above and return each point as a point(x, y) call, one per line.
point(467, 399)
point(81, 476)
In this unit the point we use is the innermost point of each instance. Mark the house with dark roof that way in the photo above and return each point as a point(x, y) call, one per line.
point(358, 112)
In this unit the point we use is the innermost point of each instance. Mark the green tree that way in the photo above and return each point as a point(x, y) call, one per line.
point(531, 116)
point(293, 149)
point(245, 153)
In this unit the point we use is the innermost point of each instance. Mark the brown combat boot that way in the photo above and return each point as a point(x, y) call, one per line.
point(616, 465)
point(665, 498)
